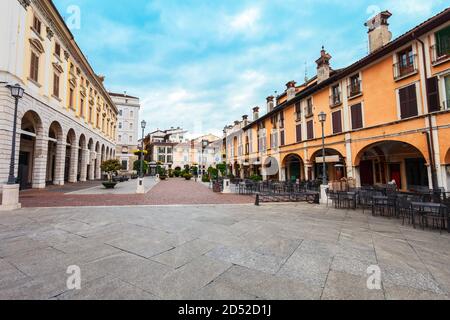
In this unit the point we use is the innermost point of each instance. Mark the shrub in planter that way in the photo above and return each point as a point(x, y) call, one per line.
point(109, 184)
point(206, 179)
point(164, 177)
point(187, 176)
point(177, 174)
point(110, 167)
point(256, 178)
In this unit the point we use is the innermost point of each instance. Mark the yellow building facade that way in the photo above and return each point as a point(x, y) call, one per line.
point(388, 116)
point(66, 120)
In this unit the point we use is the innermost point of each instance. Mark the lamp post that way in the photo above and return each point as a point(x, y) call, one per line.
point(205, 144)
point(322, 119)
point(10, 197)
point(140, 187)
point(143, 125)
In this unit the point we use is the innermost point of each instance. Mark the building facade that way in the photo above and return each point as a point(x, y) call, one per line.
point(388, 116)
point(66, 120)
point(128, 126)
point(160, 147)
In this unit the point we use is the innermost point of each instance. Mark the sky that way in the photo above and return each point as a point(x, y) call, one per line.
point(202, 64)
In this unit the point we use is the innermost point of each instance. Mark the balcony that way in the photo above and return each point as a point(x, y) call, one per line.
point(309, 111)
point(440, 54)
point(335, 100)
point(406, 68)
point(354, 89)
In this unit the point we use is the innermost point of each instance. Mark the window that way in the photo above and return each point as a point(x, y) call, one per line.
point(124, 165)
point(309, 108)
point(120, 112)
point(357, 119)
point(161, 150)
point(81, 107)
point(131, 114)
point(120, 125)
point(447, 91)
point(335, 96)
point(433, 95)
point(56, 85)
point(169, 159)
point(57, 49)
point(282, 138)
point(162, 158)
point(131, 126)
point(37, 25)
point(281, 120)
point(34, 67)
point(90, 114)
point(354, 87)
point(130, 139)
point(406, 63)
point(337, 122)
point(408, 102)
point(298, 130)
point(71, 105)
point(443, 42)
point(310, 129)
point(298, 111)
point(120, 138)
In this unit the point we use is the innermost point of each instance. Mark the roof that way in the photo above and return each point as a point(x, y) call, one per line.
point(121, 95)
point(407, 37)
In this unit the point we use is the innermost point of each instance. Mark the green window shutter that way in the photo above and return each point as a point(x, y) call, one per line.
point(443, 41)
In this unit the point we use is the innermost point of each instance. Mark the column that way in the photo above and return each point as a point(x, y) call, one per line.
point(91, 159)
point(83, 169)
point(60, 164)
point(98, 171)
point(40, 163)
point(73, 164)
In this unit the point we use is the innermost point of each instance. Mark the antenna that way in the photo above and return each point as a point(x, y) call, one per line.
point(306, 71)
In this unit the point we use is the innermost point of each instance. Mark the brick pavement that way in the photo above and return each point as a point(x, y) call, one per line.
point(171, 192)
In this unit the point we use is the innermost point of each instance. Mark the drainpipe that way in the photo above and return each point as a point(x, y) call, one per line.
point(430, 139)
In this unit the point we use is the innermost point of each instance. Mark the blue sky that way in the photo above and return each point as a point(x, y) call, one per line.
point(201, 64)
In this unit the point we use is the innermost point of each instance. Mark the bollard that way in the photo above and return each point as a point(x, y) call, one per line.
point(257, 200)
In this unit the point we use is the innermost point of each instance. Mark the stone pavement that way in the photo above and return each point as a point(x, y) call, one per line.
point(295, 251)
point(127, 187)
point(170, 192)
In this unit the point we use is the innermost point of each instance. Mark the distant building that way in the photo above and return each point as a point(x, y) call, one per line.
point(127, 128)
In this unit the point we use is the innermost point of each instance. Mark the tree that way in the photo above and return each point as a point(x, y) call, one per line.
point(111, 167)
point(222, 167)
point(137, 166)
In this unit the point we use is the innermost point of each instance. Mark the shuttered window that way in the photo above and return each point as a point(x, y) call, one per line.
point(56, 85)
point(357, 120)
point(408, 102)
point(282, 138)
point(299, 132)
point(433, 95)
point(443, 42)
point(337, 122)
point(310, 129)
point(34, 67)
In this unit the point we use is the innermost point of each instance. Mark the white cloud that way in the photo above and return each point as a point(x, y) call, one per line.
point(246, 20)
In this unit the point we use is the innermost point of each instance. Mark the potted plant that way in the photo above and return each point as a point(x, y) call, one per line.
point(162, 173)
point(110, 167)
point(187, 176)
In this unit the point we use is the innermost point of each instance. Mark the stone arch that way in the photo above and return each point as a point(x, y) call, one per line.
point(393, 160)
point(31, 166)
point(55, 154)
point(335, 164)
point(447, 157)
point(294, 167)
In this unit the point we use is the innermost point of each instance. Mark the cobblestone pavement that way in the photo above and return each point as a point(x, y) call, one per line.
point(217, 252)
point(170, 192)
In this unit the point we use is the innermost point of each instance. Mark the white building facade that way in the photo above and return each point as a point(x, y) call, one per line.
point(128, 126)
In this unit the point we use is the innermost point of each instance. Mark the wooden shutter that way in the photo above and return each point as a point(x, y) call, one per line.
point(337, 122)
point(282, 138)
point(408, 102)
point(433, 95)
point(299, 132)
point(310, 129)
point(357, 120)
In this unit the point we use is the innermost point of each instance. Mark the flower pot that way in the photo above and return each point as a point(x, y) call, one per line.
point(163, 177)
point(109, 185)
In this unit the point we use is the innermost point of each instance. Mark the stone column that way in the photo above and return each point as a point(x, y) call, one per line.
point(91, 159)
point(73, 164)
point(60, 164)
point(40, 163)
point(83, 169)
point(98, 171)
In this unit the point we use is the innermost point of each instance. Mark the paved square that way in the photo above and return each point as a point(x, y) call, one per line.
point(292, 251)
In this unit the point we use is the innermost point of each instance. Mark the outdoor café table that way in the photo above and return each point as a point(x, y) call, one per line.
point(423, 206)
point(347, 199)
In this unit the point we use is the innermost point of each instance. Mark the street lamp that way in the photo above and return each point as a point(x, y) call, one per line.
point(143, 125)
point(205, 144)
point(17, 93)
point(322, 120)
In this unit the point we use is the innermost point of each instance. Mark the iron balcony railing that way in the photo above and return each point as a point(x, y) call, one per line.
point(309, 111)
point(336, 99)
point(405, 68)
point(440, 53)
point(354, 89)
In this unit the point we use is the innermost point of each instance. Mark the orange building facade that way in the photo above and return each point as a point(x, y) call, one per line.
point(388, 116)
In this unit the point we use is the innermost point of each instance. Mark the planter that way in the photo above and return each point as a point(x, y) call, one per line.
point(163, 177)
point(109, 185)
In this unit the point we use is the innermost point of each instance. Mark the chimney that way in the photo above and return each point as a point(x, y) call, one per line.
point(270, 103)
point(236, 123)
point(379, 34)
point(323, 66)
point(255, 113)
point(290, 90)
point(245, 119)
